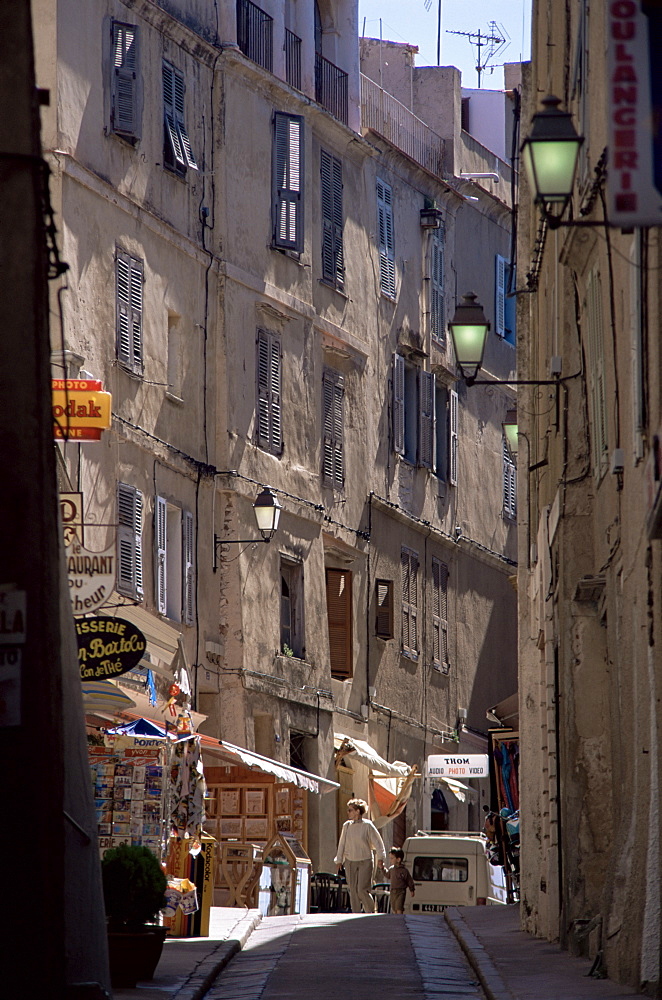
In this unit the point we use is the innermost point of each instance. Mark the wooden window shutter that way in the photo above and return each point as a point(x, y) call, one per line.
point(439, 613)
point(288, 181)
point(160, 554)
point(339, 612)
point(452, 437)
point(184, 140)
point(124, 104)
point(437, 311)
point(269, 429)
point(509, 483)
point(188, 569)
point(172, 132)
point(333, 265)
point(386, 241)
point(409, 567)
point(398, 415)
point(129, 541)
point(333, 464)
point(425, 419)
point(129, 310)
point(500, 296)
point(384, 601)
point(136, 302)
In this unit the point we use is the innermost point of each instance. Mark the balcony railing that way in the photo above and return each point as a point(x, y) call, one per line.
point(331, 88)
point(292, 59)
point(255, 33)
point(396, 123)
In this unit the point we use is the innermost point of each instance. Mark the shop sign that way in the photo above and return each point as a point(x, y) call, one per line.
point(91, 577)
point(634, 100)
point(460, 765)
point(71, 512)
point(108, 647)
point(81, 411)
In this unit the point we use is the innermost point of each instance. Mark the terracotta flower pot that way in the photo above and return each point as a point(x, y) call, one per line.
point(134, 954)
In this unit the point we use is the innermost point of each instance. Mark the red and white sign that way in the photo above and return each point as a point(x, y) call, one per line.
point(634, 107)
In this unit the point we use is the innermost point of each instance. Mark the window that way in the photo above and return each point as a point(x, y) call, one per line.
point(339, 613)
point(291, 609)
point(437, 312)
point(504, 306)
point(428, 869)
point(333, 466)
point(413, 412)
point(288, 182)
point(269, 430)
point(409, 567)
point(129, 311)
point(124, 82)
point(596, 371)
point(129, 541)
point(386, 245)
point(384, 602)
point(509, 482)
point(439, 615)
point(177, 151)
point(173, 559)
point(333, 266)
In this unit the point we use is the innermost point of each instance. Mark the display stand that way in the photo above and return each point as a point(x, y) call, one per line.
point(241, 867)
point(199, 869)
point(285, 878)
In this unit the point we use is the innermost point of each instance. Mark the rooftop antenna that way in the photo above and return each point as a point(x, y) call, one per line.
point(495, 42)
point(428, 5)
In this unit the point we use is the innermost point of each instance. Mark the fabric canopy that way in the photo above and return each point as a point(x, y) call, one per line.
point(256, 762)
point(139, 727)
point(389, 797)
point(105, 695)
point(347, 746)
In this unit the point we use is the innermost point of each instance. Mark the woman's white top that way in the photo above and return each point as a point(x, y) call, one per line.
point(358, 840)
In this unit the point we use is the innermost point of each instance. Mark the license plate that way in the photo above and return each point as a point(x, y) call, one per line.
point(432, 907)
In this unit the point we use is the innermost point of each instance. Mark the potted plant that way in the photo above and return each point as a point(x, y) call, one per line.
point(134, 885)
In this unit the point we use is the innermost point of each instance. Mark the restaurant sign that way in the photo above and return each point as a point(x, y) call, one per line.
point(459, 765)
point(108, 647)
point(91, 577)
point(81, 411)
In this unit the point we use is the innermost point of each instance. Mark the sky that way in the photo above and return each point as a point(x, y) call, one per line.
point(411, 21)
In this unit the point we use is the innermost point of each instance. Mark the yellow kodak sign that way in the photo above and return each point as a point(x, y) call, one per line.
point(80, 409)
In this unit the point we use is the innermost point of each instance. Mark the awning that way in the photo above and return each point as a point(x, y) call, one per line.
point(347, 746)
point(162, 639)
point(389, 797)
point(105, 695)
point(256, 762)
point(506, 712)
point(460, 791)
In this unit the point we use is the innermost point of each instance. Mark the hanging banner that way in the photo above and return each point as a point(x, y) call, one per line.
point(634, 103)
point(471, 765)
point(81, 411)
point(108, 647)
point(91, 577)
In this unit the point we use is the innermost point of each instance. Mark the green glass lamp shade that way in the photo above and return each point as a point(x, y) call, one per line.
point(550, 153)
point(469, 330)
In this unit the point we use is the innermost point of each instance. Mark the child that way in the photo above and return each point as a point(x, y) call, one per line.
point(400, 879)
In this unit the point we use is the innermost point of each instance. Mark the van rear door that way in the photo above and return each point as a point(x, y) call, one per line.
point(445, 878)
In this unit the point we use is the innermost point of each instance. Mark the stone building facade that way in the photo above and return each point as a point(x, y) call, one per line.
point(589, 550)
point(251, 279)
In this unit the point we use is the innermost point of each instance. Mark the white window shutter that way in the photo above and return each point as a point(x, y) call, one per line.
point(288, 182)
point(123, 308)
point(500, 296)
point(179, 121)
point(129, 541)
point(398, 415)
point(188, 569)
point(124, 104)
point(425, 419)
point(509, 483)
point(136, 303)
point(160, 554)
point(437, 310)
point(275, 369)
point(453, 435)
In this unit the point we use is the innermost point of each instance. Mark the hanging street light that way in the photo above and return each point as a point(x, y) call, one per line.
point(550, 154)
point(267, 515)
point(469, 329)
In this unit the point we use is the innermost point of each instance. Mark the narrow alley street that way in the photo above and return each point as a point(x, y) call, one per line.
point(358, 957)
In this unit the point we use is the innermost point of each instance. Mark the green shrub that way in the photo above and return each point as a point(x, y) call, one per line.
point(133, 886)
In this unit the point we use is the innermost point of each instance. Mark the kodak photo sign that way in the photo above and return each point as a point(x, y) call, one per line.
point(81, 410)
point(108, 647)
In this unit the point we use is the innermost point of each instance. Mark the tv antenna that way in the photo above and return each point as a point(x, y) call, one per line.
point(491, 44)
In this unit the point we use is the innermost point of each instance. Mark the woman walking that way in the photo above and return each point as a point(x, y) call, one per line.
point(358, 840)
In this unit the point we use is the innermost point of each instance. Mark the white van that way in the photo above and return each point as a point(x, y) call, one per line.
point(451, 869)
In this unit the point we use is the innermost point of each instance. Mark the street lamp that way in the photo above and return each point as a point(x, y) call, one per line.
point(511, 433)
point(267, 515)
point(469, 329)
